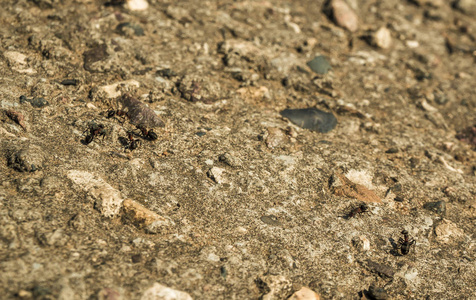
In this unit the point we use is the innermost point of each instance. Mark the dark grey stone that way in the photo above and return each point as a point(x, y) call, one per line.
point(319, 65)
point(311, 118)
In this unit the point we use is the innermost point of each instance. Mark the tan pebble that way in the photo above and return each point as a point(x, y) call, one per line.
point(382, 38)
point(144, 218)
point(344, 16)
point(305, 294)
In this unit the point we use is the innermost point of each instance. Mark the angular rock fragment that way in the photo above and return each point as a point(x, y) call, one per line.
point(139, 113)
point(17, 117)
point(230, 160)
point(343, 15)
point(113, 90)
point(319, 65)
point(18, 62)
point(342, 186)
point(217, 174)
point(94, 55)
point(144, 218)
point(108, 200)
point(311, 118)
point(161, 292)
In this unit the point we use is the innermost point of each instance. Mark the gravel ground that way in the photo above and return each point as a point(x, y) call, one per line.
point(145, 153)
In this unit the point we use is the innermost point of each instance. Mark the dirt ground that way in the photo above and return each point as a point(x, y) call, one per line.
point(232, 200)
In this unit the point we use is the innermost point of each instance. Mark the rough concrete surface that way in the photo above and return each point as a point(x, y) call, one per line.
point(222, 197)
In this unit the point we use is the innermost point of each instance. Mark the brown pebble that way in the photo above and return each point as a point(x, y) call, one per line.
point(343, 15)
point(17, 118)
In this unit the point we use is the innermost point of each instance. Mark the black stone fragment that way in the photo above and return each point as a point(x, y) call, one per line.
point(35, 102)
point(311, 118)
point(70, 82)
point(392, 151)
point(319, 65)
point(200, 133)
point(438, 207)
point(223, 272)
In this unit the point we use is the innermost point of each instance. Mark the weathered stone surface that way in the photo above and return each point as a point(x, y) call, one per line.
point(144, 218)
point(108, 200)
point(343, 187)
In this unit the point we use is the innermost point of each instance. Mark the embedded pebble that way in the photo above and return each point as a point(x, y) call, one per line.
point(342, 186)
point(18, 62)
point(382, 38)
point(230, 160)
point(144, 218)
point(137, 5)
point(343, 15)
point(305, 294)
point(319, 65)
point(161, 292)
point(217, 174)
point(438, 207)
point(311, 118)
point(112, 91)
point(108, 200)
